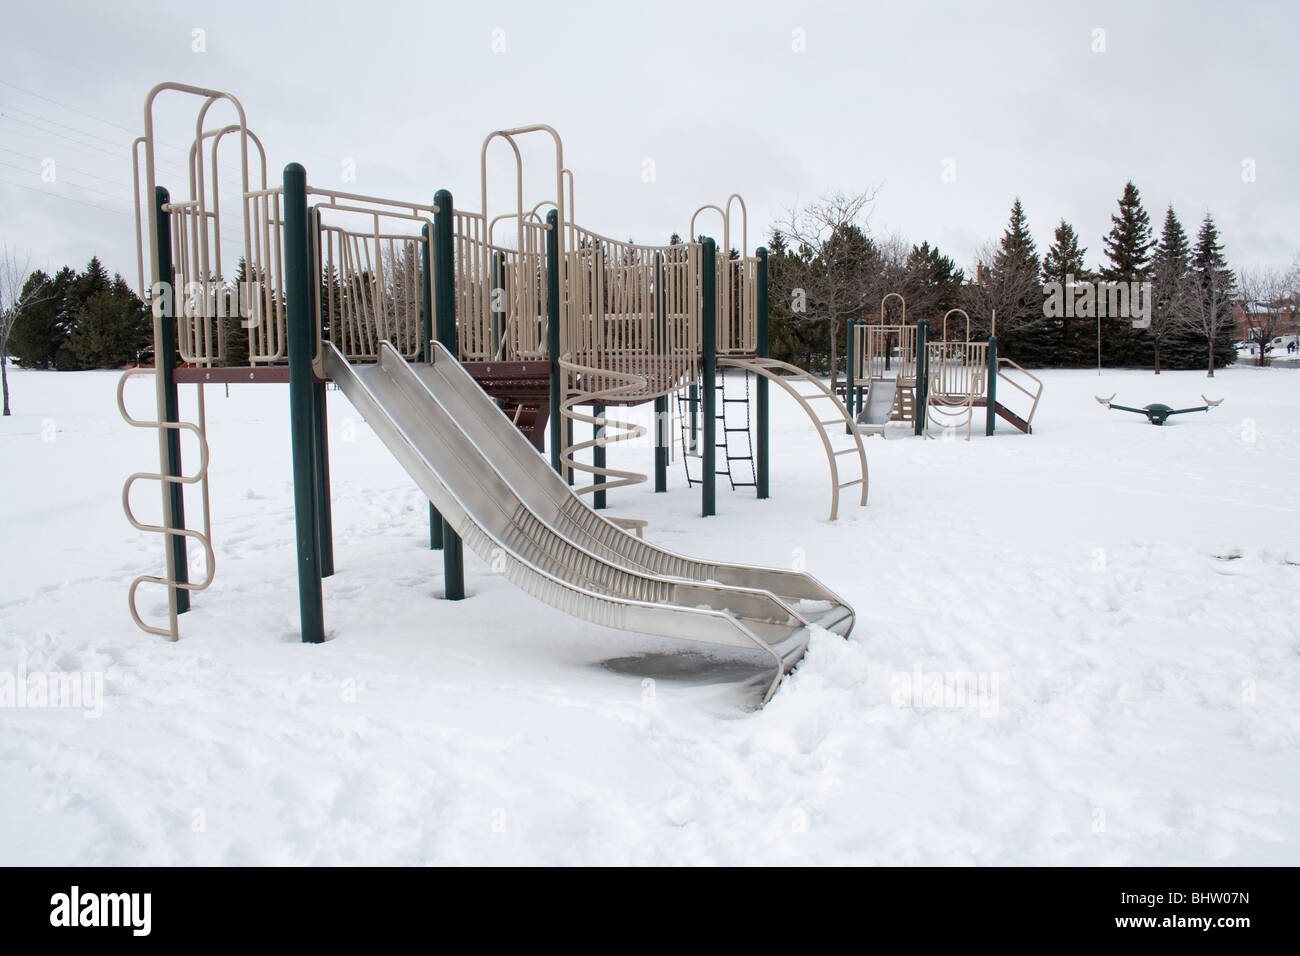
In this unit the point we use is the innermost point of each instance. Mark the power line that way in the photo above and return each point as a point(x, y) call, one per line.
point(40, 159)
point(125, 155)
point(79, 202)
point(98, 119)
point(234, 240)
point(127, 151)
point(50, 132)
point(75, 129)
point(77, 185)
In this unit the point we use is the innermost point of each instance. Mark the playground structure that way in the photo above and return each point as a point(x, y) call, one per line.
point(1157, 413)
point(465, 339)
point(898, 373)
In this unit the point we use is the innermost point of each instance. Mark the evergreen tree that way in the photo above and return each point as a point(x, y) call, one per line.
point(1064, 264)
point(112, 327)
point(1016, 295)
point(38, 332)
point(90, 283)
point(1128, 253)
point(931, 281)
point(1213, 287)
point(235, 337)
point(1169, 267)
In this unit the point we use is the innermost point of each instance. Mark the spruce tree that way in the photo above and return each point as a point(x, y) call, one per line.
point(112, 327)
point(931, 281)
point(1128, 253)
point(37, 332)
point(241, 293)
point(1015, 293)
point(1064, 264)
point(1169, 269)
point(1213, 287)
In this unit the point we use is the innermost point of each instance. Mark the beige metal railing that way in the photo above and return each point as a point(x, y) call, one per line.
point(634, 310)
point(501, 292)
point(737, 282)
point(958, 368)
point(1033, 392)
point(885, 351)
point(371, 285)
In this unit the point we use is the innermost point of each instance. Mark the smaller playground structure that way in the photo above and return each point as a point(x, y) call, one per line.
point(898, 373)
point(1157, 413)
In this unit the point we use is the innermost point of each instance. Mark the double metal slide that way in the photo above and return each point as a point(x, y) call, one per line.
point(512, 510)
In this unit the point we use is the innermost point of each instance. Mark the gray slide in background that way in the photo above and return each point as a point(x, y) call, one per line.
point(515, 513)
point(880, 404)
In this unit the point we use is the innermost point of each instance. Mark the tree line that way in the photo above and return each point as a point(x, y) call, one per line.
point(79, 320)
point(825, 269)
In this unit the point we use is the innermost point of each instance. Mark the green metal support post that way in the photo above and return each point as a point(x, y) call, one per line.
point(598, 456)
point(498, 302)
point(662, 437)
point(553, 332)
point(991, 407)
point(709, 392)
point(426, 352)
point(851, 370)
point(321, 455)
point(922, 376)
point(320, 421)
point(298, 282)
point(444, 318)
point(763, 350)
point(693, 433)
point(568, 440)
point(661, 443)
point(165, 365)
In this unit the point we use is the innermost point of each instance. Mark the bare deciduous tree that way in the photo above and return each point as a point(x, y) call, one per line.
point(839, 267)
point(14, 297)
point(1269, 303)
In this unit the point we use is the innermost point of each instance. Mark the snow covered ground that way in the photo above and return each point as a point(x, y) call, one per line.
point(1120, 600)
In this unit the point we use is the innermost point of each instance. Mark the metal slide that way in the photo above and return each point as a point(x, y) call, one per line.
point(880, 405)
point(518, 515)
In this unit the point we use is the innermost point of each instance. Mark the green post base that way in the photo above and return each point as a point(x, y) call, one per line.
point(598, 457)
point(661, 443)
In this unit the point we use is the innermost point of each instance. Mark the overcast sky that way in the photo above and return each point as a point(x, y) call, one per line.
point(780, 102)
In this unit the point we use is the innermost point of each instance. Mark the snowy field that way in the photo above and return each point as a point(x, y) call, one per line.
point(1122, 600)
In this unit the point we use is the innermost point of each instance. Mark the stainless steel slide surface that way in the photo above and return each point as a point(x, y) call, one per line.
point(512, 510)
point(880, 402)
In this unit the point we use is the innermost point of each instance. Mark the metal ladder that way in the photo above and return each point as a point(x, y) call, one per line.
point(806, 389)
point(168, 528)
point(727, 430)
point(728, 435)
